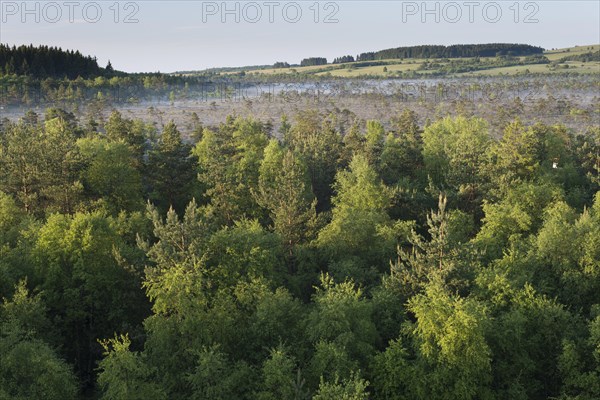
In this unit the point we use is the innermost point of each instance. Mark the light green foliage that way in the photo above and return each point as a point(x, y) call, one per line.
point(516, 155)
point(516, 215)
point(454, 151)
point(125, 375)
point(353, 388)
point(341, 326)
point(361, 235)
point(110, 173)
point(284, 189)
point(270, 166)
point(567, 253)
point(39, 166)
point(454, 359)
point(174, 283)
point(374, 137)
point(80, 277)
point(229, 167)
point(131, 132)
point(278, 377)
point(189, 268)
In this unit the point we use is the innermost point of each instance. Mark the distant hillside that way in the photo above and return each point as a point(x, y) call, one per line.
point(218, 70)
point(44, 61)
point(454, 51)
point(583, 57)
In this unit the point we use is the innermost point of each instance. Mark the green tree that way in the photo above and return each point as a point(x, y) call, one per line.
point(110, 174)
point(374, 138)
point(319, 144)
point(565, 255)
point(171, 170)
point(579, 364)
point(453, 357)
point(229, 168)
point(29, 367)
point(392, 372)
point(278, 377)
point(361, 236)
point(353, 388)
point(14, 251)
point(516, 156)
point(341, 328)
point(216, 378)
point(40, 166)
point(124, 374)
point(515, 216)
point(284, 190)
point(525, 336)
point(438, 258)
point(454, 151)
point(89, 291)
point(132, 132)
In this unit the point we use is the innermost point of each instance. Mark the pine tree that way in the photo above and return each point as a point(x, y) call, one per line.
point(284, 190)
point(171, 170)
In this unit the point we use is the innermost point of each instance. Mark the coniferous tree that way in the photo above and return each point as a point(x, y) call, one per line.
point(171, 170)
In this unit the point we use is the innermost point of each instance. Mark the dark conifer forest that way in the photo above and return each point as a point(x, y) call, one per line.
point(48, 62)
point(454, 51)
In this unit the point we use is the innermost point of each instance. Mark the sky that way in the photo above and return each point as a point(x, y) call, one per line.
point(150, 35)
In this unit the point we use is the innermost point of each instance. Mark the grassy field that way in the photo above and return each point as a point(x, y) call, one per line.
point(573, 66)
point(557, 54)
point(394, 68)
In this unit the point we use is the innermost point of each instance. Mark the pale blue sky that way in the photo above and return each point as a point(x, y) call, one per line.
point(186, 35)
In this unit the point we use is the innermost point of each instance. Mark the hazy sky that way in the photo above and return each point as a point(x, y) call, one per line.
point(186, 35)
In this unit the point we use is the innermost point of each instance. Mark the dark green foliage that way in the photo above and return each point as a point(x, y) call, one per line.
point(454, 51)
point(44, 61)
point(171, 171)
point(29, 367)
point(344, 59)
point(313, 61)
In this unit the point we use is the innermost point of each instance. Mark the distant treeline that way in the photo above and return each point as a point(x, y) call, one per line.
point(313, 61)
point(585, 57)
point(344, 59)
point(454, 51)
point(44, 61)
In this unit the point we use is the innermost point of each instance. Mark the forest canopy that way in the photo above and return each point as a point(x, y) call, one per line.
point(330, 259)
point(49, 62)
